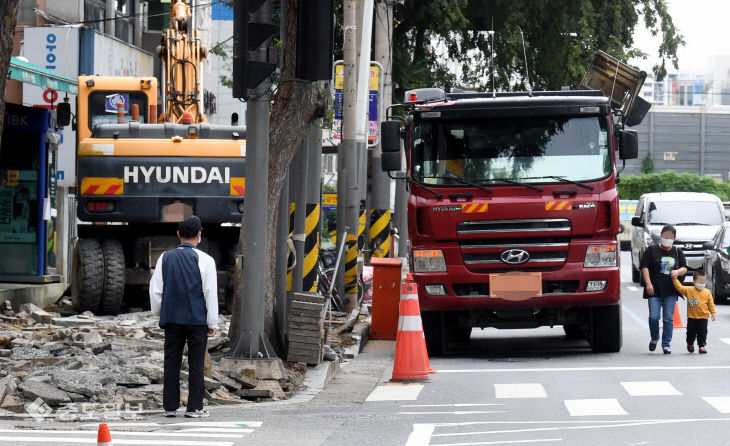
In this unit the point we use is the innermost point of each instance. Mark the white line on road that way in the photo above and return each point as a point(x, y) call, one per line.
point(92, 440)
point(457, 412)
point(586, 369)
point(243, 424)
point(725, 340)
point(452, 405)
point(632, 288)
point(523, 390)
point(395, 393)
point(720, 403)
point(479, 443)
point(179, 433)
point(594, 407)
point(650, 388)
point(421, 435)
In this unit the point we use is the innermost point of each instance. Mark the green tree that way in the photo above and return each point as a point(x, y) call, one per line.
point(560, 37)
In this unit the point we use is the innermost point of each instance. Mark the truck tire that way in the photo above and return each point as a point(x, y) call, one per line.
point(87, 280)
point(434, 332)
point(574, 331)
point(717, 295)
point(113, 293)
point(605, 331)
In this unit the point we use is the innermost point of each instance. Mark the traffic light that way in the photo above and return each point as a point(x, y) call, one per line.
point(315, 34)
point(248, 36)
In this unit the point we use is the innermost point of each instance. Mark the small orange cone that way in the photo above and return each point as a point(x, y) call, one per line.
point(103, 437)
point(411, 359)
point(677, 317)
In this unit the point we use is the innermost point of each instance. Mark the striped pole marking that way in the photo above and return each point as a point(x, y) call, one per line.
point(102, 186)
point(380, 232)
point(557, 205)
point(290, 272)
point(238, 186)
point(351, 265)
point(311, 248)
point(474, 208)
point(361, 229)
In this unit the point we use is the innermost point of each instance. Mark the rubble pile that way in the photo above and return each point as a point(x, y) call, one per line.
point(54, 362)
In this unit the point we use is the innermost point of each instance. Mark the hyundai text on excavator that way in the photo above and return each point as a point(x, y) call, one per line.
point(139, 173)
point(513, 209)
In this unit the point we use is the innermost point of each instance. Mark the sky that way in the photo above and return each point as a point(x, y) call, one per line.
point(705, 25)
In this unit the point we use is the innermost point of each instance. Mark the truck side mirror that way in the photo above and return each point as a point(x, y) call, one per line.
point(628, 145)
point(636, 221)
point(390, 145)
point(63, 114)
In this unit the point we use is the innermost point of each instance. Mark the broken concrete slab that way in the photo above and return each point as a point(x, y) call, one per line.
point(265, 368)
point(50, 394)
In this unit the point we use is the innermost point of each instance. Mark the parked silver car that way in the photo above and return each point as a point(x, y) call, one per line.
point(696, 216)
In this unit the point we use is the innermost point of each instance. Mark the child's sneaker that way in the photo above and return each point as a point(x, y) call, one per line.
point(703, 350)
point(691, 348)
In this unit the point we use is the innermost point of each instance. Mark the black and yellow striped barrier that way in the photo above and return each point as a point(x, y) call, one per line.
point(380, 232)
point(289, 270)
point(311, 248)
point(361, 230)
point(351, 265)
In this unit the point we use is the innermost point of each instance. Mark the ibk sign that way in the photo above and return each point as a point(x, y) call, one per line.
point(55, 49)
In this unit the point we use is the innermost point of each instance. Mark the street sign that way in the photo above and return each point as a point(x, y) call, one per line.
point(375, 87)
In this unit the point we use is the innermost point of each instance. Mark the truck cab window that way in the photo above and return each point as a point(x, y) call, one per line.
point(103, 106)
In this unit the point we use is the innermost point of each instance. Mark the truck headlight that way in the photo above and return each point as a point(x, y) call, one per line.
point(600, 255)
point(428, 260)
point(435, 290)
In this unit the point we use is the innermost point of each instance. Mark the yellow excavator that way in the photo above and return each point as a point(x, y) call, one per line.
point(139, 172)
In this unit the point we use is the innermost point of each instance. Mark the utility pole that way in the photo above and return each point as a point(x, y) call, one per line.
point(347, 164)
point(298, 177)
point(380, 217)
point(252, 343)
point(314, 200)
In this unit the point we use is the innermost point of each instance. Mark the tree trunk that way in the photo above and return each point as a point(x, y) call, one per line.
point(8, 12)
point(296, 104)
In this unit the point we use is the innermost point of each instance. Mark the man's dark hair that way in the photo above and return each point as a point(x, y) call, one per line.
point(699, 273)
point(189, 227)
point(669, 228)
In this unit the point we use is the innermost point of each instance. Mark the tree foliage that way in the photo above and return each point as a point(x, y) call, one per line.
point(632, 187)
point(447, 43)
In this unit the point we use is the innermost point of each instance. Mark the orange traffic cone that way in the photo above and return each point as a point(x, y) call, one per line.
point(411, 359)
point(677, 317)
point(103, 437)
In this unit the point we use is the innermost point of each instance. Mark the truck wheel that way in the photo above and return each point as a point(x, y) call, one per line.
point(635, 274)
point(433, 330)
point(87, 275)
point(605, 331)
point(574, 331)
point(460, 334)
point(114, 272)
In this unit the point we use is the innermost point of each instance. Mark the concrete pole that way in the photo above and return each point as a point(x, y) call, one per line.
point(347, 190)
point(314, 202)
point(363, 100)
point(253, 343)
point(299, 178)
point(380, 218)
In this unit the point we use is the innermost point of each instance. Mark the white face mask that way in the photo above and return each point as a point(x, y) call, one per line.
point(666, 242)
point(700, 286)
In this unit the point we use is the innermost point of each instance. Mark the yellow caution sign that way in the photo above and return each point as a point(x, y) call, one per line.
point(238, 186)
point(558, 206)
point(102, 186)
point(474, 208)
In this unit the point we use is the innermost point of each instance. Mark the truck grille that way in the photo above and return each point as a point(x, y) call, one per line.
point(494, 245)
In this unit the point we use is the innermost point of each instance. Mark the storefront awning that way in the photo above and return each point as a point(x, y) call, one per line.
point(33, 74)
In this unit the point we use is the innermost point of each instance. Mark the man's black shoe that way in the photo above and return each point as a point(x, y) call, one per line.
point(652, 346)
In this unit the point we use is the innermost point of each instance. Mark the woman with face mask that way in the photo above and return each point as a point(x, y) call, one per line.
point(660, 264)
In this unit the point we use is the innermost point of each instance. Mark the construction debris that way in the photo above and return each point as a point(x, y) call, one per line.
point(76, 365)
point(306, 328)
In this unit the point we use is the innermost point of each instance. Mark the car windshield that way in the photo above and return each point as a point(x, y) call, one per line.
point(685, 213)
point(525, 149)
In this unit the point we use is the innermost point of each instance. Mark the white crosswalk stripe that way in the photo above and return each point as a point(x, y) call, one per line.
point(154, 434)
point(650, 388)
point(522, 390)
point(395, 393)
point(594, 407)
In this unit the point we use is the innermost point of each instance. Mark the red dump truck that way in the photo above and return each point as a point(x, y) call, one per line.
point(513, 210)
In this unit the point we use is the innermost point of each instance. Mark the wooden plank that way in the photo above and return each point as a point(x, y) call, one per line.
point(307, 306)
point(309, 297)
point(311, 320)
point(305, 326)
point(307, 333)
point(303, 346)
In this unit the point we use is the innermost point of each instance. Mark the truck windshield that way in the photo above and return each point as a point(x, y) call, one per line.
point(685, 213)
point(517, 148)
point(103, 106)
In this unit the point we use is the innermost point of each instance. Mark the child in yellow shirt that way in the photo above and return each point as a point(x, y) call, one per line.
point(699, 307)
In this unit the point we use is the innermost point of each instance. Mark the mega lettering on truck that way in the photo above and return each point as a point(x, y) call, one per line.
point(513, 209)
point(139, 174)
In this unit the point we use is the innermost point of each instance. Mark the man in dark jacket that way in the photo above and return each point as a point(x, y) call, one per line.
point(184, 293)
point(659, 265)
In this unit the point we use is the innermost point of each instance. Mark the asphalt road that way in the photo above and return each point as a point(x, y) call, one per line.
point(503, 388)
